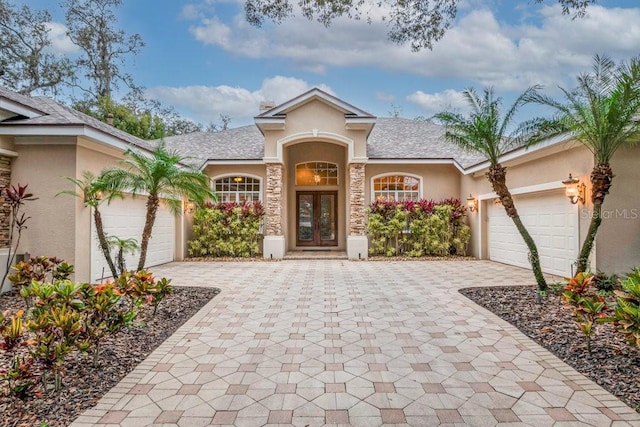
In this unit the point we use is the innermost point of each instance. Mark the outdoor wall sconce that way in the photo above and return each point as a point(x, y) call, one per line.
point(574, 189)
point(472, 203)
point(189, 207)
point(97, 196)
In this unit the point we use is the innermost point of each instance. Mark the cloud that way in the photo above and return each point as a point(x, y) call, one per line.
point(545, 48)
point(430, 104)
point(206, 103)
point(60, 43)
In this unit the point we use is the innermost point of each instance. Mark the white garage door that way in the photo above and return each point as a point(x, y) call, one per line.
point(125, 219)
point(551, 220)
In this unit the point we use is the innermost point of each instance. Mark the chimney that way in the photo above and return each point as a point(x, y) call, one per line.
point(110, 119)
point(266, 105)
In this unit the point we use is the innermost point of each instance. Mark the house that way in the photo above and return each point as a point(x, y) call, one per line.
point(316, 162)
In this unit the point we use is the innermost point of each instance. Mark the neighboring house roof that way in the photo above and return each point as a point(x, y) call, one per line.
point(52, 113)
point(410, 139)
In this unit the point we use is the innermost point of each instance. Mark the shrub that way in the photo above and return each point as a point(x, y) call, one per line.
point(65, 316)
point(417, 228)
point(604, 282)
point(40, 269)
point(226, 229)
point(626, 316)
point(588, 309)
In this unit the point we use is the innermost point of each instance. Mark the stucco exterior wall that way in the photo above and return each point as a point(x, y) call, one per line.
point(438, 181)
point(43, 163)
point(7, 142)
point(94, 158)
point(544, 167)
point(618, 239)
point(315, 115)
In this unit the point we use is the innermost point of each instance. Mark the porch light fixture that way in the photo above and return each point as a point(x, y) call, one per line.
point(97, 196)
point(189, 207)
point(472, 203)
point(574, 189)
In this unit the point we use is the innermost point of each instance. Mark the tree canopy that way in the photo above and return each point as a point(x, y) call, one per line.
point(418, 22)
point(26, 64)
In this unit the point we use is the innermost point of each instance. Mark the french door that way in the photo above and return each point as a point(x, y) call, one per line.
point(317, 218)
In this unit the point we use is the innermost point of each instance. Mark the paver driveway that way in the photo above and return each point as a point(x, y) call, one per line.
point(310, 343)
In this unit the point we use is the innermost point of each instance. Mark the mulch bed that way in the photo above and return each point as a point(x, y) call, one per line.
point(83, 385)
point(613, 364)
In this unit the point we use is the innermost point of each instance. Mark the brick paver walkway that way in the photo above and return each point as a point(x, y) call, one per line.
point(312, 343)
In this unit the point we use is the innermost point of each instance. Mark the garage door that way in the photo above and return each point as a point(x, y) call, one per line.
point(551, 220)
point(125, 219)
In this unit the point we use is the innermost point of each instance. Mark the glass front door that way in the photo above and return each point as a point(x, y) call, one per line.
point(316, 218)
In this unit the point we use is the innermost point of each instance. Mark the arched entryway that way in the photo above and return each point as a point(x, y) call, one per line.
point(316, 196)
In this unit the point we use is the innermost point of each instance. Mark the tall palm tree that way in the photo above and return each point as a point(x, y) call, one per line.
point(602, 113)
point(484, 131)
point(93, 190)
point(158, 175)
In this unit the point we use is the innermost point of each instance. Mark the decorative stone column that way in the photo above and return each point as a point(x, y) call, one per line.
point(5, 218)
point(5, 209)
point(357, 241)
point(274, 242)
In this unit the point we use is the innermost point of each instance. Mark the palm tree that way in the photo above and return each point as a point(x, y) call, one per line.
point(159, 175)
point(484, 131)
point(124, 246)
point(602, 113)
point(93, 189)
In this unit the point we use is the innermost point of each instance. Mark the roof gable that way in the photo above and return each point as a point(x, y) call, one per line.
point(312, 95)
point(274, 118)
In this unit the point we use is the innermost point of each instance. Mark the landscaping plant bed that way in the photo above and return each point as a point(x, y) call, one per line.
point(613, 364)
point(83, 385)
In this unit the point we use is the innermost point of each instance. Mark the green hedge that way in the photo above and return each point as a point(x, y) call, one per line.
point(417, 228)
point(226, 229)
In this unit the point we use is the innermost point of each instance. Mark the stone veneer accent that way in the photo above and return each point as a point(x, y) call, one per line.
point(357, 208)
point(273, 198)
point(5, 209)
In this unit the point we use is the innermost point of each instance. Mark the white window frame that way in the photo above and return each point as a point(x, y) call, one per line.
point(387, 174)
point(237, 193)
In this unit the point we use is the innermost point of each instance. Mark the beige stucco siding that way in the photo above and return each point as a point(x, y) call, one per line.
point(618, 239)
point(52, 228)
point(315, 116)
point(528, 174)
point(94, 158)
point(6, 142)
point(438, 181)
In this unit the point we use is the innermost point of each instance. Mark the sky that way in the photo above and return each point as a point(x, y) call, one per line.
point(204, 59)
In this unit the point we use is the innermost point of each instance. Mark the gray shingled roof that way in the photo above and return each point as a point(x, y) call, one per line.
point(391, 138)
point(20, 99)
point(398, 138)
point(55, 113)
point(242, 143)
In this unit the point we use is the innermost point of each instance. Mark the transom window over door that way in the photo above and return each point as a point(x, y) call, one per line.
point(317, 173)
point(237, 188)
point(396, 187)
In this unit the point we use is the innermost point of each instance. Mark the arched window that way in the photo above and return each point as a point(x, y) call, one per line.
point(396, 187)
point(317, 173)
point(237, 188)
